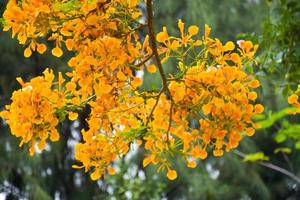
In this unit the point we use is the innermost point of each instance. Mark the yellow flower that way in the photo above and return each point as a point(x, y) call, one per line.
point(73, 116)
point(229, 46)
point(147, 161)
point(207, 108)
point(218, 152)
point(70, 86)
point(181, 27)
point(121, 76)
point(250, 131)
point(178, 91)
point(69, 44)
point(193, 30)
point(57, 52)
point(192, 164)
point(254, 84)
point(172, 174)
point(27, 52)
point(293, 99)
point(136, 82)
point(111, 171)
point(207, 31)
point(162, 36)
point(258, 108)
point(95, 175)
point(252, 95)
point(151, 68)
point(41, 48)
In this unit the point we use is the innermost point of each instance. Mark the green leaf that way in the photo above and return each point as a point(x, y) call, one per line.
point(67, 6)
point(259, 117)
point(297, 145)
point(292, 131)
point(283, 150)
point(253, 157)
point(61, 115)
point(279, 138)
point(134, 133)
point(273, 117)
point(2, 22)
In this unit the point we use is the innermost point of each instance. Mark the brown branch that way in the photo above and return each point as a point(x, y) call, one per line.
point(156, 103)
point(159, 65)
point(140, 27)
point(273, 167)
point(144, 61)
point(154, 46)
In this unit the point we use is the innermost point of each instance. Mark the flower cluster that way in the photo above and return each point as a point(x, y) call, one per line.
point(97, 153)
point(207, 106)
point(31, 115)
point(71, 22)
point(211, 87)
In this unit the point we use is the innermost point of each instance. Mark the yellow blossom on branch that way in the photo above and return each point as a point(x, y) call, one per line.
point(210, 87)
point(31, 115)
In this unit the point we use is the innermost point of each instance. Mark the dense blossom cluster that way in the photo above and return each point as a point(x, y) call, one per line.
point(33, 113)
point(207, 105)
point(211, 85)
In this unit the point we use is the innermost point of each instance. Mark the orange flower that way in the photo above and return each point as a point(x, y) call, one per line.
point(193, 30)
point(218, 152)
point(229, 46)
point(27, 52)
point(69, 44)
point(252, 95)
point(258, 108)
point(111, 171)
point(203, 154)
point(73, 116)
point(192, 164)
point(250, 131)
point(136, 82)
point(41, 48)
point(293, 99)
point(151, 68)
point(57, 52)
point(172, 174)
point(254, 84)
point(162, 36)
point(207, 108)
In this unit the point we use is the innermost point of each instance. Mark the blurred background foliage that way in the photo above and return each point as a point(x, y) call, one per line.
point(274, 25)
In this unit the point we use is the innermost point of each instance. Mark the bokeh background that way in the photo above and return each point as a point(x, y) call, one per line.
point(274, 25)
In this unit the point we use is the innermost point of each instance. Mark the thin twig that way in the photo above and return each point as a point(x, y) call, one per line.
point(156, 103)
point(273, 167)
point(170, 120)
point(144, 61)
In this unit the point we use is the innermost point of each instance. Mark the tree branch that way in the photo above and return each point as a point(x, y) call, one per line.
point(154, 46)
point(156, 103)
point(273, 167)
point(144, 61)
